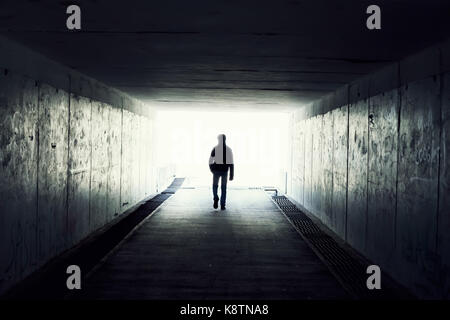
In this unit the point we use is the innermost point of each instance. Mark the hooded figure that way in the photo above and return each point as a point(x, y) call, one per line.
point(220, 160)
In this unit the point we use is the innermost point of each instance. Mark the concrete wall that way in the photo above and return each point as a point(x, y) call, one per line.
point(74, 155)
point(371, 162)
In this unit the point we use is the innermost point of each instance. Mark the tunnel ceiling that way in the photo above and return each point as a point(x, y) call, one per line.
point(226, 54)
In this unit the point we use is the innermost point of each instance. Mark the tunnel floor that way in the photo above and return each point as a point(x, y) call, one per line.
point(188, 250)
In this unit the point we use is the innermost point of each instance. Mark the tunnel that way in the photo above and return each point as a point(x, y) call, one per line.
point(336, 112)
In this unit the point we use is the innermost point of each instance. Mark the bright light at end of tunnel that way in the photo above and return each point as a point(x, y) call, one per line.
point(259, 142)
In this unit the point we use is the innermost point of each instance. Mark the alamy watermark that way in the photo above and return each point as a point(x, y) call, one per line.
point(374, 280)
point(74, 280)
point(374, 20)
point(73, 22)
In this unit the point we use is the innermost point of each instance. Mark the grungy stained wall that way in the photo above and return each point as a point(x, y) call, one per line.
point(52, 143)
point(385, 145)
point(69, 165)
point(18, 171)
point(443, 238)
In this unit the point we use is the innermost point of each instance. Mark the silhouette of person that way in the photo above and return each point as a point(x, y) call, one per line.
point(220, 160)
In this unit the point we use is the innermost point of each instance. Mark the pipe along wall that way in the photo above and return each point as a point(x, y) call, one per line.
point(371, 162)
point(75, 155)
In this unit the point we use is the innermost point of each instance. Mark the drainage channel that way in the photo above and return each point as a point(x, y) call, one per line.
point(174, 186)
point(50, 281)
point(349, 269)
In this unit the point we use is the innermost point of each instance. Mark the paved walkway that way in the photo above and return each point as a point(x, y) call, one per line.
point(188, 250)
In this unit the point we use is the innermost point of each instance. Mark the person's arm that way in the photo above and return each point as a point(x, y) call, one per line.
point(211, 159)
point(231, 158)
point(212, 156)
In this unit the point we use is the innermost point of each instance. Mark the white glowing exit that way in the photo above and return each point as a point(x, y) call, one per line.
point(259, 142)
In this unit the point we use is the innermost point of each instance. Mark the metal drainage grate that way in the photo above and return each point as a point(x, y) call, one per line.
point(272, 190)
point(177, 182)
point(349, 270)
point(174, 186)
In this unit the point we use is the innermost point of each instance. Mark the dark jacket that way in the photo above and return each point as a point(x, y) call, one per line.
point(221, 159)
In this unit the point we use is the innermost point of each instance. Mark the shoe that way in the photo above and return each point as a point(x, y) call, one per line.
point(222, 207)
point(216, 204)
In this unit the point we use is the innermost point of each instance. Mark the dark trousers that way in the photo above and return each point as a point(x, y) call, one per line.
point(224, 178)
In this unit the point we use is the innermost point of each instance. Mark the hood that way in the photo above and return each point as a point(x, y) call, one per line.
point(223, 154)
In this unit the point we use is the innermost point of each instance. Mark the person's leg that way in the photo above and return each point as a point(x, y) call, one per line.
point(223, 186)
point(215, 187)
